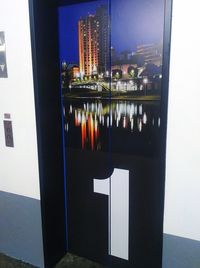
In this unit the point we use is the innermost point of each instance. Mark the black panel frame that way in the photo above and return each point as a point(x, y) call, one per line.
point(43, 23)
point(46, 72)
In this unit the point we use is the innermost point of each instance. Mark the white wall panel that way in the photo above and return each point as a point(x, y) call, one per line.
point(182, 199)
point(19, 165)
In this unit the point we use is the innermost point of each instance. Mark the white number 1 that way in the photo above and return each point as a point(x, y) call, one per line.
point(117, 189)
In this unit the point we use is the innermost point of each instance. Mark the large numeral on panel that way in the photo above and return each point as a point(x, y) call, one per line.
point(117, 189)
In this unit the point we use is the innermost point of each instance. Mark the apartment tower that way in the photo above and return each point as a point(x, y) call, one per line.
point(93, 36)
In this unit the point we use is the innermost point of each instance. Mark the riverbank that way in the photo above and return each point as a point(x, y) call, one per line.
point(80, 93)
point(111, 97)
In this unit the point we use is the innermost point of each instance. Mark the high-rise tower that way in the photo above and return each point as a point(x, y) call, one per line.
point(93, 33)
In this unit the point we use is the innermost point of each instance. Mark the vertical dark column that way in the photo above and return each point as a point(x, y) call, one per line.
point(43, 20)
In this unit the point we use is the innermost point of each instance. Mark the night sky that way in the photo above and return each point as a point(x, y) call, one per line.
point(133, 22)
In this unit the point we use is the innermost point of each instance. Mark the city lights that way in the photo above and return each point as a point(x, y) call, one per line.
point(145, 80)
point(101, 67)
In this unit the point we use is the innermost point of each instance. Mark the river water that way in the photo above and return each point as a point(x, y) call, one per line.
point(120, 126)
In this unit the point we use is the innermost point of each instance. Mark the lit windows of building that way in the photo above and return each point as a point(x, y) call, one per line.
point(93, 32)
point(152, 53)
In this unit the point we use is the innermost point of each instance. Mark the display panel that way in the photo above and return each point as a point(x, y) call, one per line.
point(111, 55)
point(3, 64)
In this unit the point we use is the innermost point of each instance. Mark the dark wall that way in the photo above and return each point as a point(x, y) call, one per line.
point(43, 20)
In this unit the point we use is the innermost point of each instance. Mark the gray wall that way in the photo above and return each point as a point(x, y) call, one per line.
point(179, 252)
point(20, 228)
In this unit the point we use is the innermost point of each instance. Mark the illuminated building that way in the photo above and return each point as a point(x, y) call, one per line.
point(75, 72)
point(93, 33)
point(152, 53)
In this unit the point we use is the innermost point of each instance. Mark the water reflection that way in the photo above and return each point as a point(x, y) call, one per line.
point(89, 124)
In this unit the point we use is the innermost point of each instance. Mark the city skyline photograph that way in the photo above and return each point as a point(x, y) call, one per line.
point(112, 49)
point(133, 23)
point(111, 85)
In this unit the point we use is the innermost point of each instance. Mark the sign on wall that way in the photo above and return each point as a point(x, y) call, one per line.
point(3, 64)
point(111, 56)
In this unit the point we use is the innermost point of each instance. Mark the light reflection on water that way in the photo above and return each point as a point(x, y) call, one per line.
point(93, 118)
